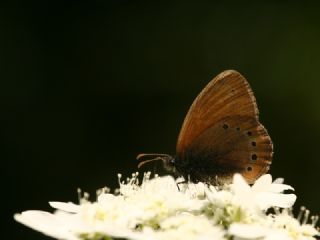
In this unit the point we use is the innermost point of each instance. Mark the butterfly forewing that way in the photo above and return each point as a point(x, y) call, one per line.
point(221, 132)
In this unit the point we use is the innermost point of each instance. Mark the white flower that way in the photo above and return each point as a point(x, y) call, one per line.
point(263, 194)
point(286, 222)
point(164, 208)
point(240, 202)
point(157, 199)
point(281, 226)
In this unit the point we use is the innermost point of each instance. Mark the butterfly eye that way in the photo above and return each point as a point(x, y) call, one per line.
point(171, 163)
point(249, 169)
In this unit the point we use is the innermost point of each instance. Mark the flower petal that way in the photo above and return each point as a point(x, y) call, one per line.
point(239, 184)
point(267, 200)
point(67, 207)
point(46, 223)
point(262, 183)
point(279, 180)
point(278, 188)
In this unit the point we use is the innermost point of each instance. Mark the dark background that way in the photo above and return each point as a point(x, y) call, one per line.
point(84, 87)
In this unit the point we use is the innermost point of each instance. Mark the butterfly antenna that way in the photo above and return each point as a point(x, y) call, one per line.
point(154, 155)
point(149, 160)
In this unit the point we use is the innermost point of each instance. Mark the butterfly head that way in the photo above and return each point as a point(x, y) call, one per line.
point(168, 160)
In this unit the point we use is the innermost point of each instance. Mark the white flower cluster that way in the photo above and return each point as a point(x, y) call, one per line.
point(162, 208)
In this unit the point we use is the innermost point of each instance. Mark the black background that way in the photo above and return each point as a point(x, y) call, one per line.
point(84, 87)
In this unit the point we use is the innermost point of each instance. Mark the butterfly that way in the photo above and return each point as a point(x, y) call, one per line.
point(221, 135)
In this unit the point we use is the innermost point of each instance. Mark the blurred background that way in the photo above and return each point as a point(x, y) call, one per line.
point(85, 87)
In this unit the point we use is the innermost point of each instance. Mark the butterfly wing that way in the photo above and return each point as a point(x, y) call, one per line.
point(222, 130)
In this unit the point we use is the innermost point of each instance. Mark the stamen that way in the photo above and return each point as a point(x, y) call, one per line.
point(289, 211)
point(86, 195)
point(301, 213)
point(79, 195)
point(102, 191)
point(306, 216)
point(314, 220)
point(277, 210)
point(117, 191)
point(119, 178)
point(146, 176)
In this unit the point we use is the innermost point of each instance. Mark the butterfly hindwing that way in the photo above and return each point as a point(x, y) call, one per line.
point(234, 144)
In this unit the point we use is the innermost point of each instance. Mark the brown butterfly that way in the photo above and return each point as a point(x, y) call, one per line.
point(221, 135)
